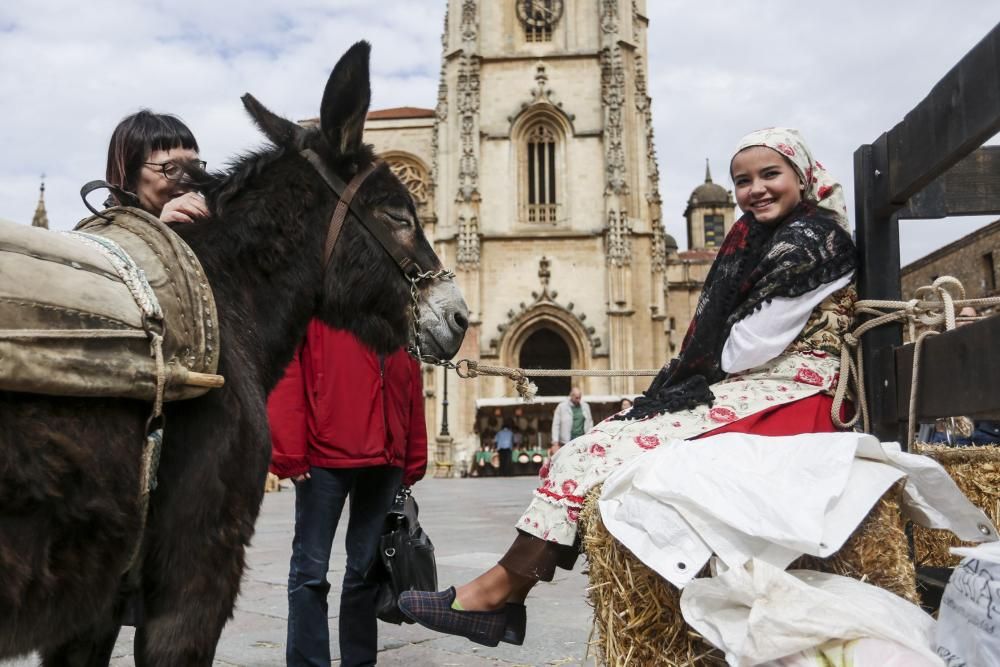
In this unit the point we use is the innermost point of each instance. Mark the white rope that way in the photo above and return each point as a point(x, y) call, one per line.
point(130, 273)
point(526, 389)
point(934, 306)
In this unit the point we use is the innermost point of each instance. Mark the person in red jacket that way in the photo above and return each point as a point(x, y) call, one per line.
point(345, 421)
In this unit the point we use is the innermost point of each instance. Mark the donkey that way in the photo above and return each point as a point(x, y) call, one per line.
point(69, 467)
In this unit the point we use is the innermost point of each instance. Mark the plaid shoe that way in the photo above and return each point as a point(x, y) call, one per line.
point(433, 611)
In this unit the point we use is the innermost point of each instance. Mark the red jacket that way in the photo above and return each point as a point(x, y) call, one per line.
point(338, 407)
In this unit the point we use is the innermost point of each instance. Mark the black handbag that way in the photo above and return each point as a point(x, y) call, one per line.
point(405, 559)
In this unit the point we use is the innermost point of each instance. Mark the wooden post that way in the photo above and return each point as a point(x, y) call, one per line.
point(878, 246)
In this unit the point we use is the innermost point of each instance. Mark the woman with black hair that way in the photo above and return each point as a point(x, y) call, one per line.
point(145, 160)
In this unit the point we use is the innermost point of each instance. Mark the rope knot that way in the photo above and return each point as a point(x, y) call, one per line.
point(467, 369)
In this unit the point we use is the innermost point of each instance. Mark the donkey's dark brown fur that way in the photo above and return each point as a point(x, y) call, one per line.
point(69, 467)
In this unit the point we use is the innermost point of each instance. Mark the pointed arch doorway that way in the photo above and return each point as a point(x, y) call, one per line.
point(545, 348)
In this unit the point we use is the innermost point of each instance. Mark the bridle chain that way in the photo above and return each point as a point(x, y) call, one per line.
point(414, 346)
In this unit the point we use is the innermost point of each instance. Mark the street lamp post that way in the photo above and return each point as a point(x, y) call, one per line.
point(444, 404)
point(445, 443)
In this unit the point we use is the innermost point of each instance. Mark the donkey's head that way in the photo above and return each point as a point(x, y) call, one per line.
point(365, 290)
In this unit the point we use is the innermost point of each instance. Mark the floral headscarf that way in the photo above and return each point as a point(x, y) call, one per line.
point(821, 188)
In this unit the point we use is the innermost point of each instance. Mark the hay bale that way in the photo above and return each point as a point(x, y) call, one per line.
point(637, 614)
point(976, 471)
point(877, 553)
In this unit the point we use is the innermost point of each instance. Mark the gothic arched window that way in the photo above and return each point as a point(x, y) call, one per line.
point(540, 189)
point(413, 176)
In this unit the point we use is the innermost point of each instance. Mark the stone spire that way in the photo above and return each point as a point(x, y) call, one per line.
point(41, 218)
point(708, 172)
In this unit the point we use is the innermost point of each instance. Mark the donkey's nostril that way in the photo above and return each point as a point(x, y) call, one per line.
point(461, 321)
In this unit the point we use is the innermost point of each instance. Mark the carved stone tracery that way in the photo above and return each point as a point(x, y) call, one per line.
point(618, 239)
point(413, 176)
point(542, 97)
point(613, 98)
point(545, 301)
point(644, 105)
point(609, 16)
point(468, 242)
point(440, 110)
point(467, 103)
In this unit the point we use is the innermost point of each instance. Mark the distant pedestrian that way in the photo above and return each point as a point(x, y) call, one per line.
point(570, 420)
point(626, 404)
point(505, 444)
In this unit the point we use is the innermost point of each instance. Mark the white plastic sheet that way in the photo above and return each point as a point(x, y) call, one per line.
point(760, 613)
point(758, 503)
point(855, 653)
point(745, 496)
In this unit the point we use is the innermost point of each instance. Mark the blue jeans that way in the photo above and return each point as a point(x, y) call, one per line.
point(319, 502)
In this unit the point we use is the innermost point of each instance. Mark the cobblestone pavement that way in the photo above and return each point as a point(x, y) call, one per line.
point(470, 522)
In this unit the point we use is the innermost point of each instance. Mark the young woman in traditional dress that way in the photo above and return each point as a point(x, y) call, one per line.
point(760, 356)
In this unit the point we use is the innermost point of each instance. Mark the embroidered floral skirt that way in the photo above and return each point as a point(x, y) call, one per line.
point(587, 461)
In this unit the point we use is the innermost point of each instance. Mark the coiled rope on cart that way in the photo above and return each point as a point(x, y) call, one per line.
point(932, 306)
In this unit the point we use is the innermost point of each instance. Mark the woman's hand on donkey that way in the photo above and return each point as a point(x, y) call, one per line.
point(186, 208)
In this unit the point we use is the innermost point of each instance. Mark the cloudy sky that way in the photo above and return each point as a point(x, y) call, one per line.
point(842, 72)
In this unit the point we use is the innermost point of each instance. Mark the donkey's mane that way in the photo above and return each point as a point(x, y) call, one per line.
point(222, 187)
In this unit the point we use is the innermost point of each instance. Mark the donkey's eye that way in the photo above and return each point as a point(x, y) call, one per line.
point(399, 215)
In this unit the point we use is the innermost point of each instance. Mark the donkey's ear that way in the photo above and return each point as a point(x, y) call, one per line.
point(279, 130)
point(346, 99)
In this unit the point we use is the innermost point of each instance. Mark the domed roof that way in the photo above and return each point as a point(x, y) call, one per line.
point(669, 242)
point(709, 192)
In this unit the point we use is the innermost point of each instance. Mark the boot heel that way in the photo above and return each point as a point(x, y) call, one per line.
point(517, 621)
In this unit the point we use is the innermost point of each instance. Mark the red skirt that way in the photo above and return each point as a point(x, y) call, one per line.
point(808, 415)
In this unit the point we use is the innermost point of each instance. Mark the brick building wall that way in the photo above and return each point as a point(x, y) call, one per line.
point(974, 259)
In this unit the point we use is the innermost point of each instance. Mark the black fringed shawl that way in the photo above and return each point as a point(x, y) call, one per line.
point(756, 263)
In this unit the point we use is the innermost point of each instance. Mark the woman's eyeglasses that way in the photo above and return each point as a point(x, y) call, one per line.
point(173, 170)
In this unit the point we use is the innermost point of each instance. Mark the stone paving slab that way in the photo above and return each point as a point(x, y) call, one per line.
point(471, 524)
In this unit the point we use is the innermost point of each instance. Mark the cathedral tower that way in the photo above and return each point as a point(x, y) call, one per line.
point(545, 191)
point(709, 214)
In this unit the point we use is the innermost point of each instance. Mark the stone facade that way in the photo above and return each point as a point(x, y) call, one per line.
point(544, 197)
point(974, 259)
point(709, 217)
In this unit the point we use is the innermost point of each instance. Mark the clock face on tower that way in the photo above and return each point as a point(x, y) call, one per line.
point(539, 14)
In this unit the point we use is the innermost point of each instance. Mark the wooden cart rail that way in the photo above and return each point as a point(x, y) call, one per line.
point(930, 165)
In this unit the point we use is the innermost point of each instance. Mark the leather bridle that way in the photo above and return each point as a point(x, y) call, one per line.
point(411, 270)
point(346, 204)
